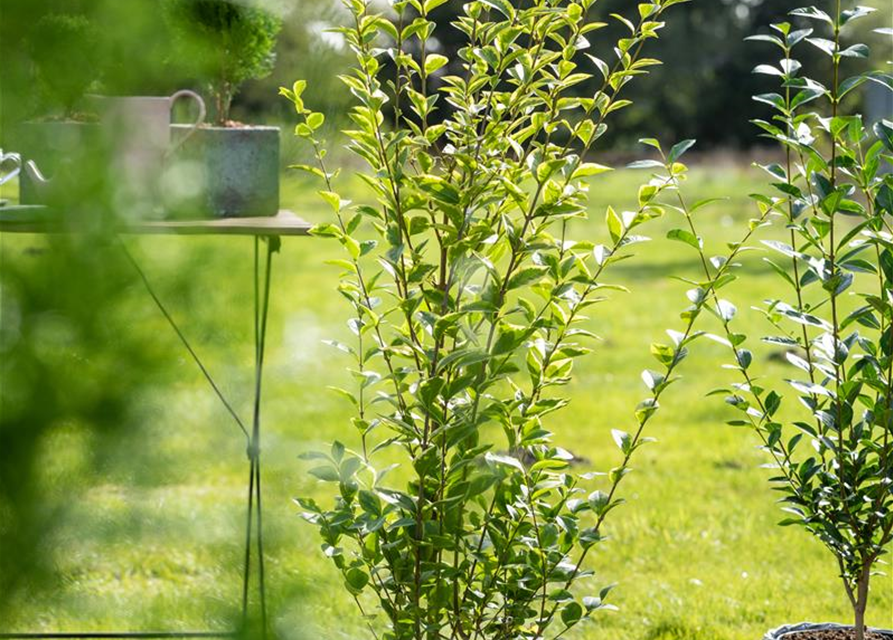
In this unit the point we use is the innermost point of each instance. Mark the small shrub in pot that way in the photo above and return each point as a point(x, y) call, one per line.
point(62, 139)
point(62, 46)
point(830, 441)
point(229, 42)
point(468, 298)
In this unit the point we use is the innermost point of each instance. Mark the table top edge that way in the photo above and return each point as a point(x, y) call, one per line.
point(284, 223)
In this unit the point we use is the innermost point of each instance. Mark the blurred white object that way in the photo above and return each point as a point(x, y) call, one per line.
point(6, 160)
point(138, 132)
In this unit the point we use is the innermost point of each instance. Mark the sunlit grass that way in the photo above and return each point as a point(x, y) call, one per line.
point(153, 536)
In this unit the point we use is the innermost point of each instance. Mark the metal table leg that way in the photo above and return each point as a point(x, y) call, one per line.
point(254, 526)
point(255, 506)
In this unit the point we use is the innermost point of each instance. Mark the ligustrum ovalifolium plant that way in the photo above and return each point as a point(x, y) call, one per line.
point(831, 440)
point(468, 296)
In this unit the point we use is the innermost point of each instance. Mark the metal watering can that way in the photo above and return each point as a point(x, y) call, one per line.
point(6, 160)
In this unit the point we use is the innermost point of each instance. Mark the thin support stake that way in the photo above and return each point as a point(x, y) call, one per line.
point(260, 554)
point(247, 568)
point(262, 342)
point(182, 337)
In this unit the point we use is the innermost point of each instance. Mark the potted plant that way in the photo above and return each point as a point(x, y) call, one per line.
point(65, 139)
point(97, 146)
point(831, 446)
point(468, 297)
point(238, 164)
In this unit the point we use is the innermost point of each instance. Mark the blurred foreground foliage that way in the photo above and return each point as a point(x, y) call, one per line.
point(74, 348)
point(71, 361)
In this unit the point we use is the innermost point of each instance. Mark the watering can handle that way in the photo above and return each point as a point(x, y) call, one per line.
point(9, 158)
point(40, 182)
point(202, 112)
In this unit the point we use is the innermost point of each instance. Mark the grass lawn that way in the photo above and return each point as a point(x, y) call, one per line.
point(153, 537)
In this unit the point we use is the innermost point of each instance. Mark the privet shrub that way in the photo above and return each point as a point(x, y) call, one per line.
point(468, 300)
point(831, 444)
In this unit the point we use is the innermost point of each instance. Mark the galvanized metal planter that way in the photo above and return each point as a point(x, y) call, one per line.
point(790, 631)
point(225, 172)
point(72, 154)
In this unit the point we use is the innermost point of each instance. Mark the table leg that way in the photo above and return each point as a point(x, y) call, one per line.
point(254, 518)
point(255, 511)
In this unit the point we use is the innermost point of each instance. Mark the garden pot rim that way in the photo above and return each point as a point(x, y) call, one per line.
point(786, 632)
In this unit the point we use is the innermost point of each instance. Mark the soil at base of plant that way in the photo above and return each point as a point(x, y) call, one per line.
point(228, 124)
point(834, 634)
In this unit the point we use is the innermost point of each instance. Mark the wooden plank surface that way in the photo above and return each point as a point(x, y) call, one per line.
point(38, 219)
point(285, 223)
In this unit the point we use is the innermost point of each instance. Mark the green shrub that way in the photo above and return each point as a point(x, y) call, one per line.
point(468, 297)
point(832, 448)
point(229, 42)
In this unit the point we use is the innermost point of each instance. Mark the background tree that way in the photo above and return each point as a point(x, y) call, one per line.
point(707, 76)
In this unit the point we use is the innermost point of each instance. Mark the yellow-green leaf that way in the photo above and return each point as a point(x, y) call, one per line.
point(434, 62)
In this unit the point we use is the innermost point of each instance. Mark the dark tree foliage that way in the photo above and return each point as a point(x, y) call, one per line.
point(706, 82)
point(705, 85)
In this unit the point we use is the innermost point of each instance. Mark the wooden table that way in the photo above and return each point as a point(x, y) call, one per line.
point(41, 220)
